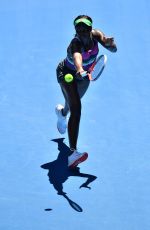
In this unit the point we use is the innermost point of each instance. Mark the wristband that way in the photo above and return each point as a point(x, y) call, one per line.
point(83, 74)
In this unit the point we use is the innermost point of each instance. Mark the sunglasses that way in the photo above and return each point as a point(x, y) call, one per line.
point(83, 29)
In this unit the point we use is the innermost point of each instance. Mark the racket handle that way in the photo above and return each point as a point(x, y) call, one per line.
point(89, 76)
point(81, 75)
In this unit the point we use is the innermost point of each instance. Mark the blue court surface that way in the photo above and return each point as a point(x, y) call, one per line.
point(37, 190)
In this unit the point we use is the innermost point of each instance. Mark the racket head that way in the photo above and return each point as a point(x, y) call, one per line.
point(97, 67)
point(75, 206)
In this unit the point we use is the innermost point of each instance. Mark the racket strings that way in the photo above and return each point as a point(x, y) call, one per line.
point(98, 67)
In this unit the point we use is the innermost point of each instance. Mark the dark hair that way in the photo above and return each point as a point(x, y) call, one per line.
point(83, 16)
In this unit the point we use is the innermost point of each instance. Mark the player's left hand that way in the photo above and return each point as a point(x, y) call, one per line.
point(109, 41)
point(110, 44)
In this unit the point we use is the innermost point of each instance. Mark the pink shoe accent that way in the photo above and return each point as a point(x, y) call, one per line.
point(80, 160)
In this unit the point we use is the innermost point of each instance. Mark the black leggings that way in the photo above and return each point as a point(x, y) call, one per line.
point(73, 92)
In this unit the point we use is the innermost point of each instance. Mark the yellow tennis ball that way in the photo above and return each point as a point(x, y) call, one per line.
point(68, 78)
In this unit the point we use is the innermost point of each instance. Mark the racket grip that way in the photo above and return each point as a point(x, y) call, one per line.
point(81, 75)
point(90, 76)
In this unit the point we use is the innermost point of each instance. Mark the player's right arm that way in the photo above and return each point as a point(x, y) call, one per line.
point(77, 56)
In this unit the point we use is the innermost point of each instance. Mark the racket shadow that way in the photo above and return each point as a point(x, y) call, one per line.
point(59, 172)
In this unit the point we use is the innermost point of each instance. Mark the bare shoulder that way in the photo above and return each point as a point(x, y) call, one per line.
point(97, 34)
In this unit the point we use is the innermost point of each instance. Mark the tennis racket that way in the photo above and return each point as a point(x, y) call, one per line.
point(97, 68)
point(74, 205)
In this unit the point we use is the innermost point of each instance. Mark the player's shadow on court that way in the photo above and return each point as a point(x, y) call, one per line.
point(59, 172)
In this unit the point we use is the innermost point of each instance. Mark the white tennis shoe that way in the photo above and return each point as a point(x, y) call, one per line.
point(62, 120)
point(76, 158)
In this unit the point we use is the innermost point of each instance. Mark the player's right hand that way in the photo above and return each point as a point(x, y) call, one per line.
point(81, 75)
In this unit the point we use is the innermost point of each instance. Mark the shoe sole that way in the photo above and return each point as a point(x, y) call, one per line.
point(80, 160)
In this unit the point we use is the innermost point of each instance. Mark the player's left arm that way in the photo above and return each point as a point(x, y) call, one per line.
point(107, 42)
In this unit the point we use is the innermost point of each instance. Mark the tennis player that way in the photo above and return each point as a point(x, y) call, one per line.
point(81, 53)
